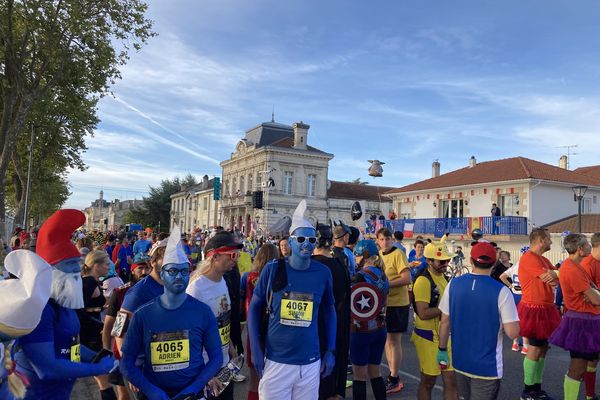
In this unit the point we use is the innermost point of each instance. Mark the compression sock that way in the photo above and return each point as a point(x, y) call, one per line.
point(539, 370)
point(378, 386)
point(529, 368)
point(589, 377)
point(359, 390)
point(108, 394)
point(571, 387)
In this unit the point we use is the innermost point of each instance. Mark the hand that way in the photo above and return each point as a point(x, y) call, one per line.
point(442, 358)
point(258, 360)
point(549, 277)
point(157, 394)
point(215, 385)
point(106, 364)
point(586, 298)
point(134, 389)
point(327, 364)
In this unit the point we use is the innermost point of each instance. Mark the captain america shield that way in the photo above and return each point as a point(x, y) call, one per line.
point(365, 301)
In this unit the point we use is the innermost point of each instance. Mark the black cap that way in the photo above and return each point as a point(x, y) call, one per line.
point(354, 234)
point(222, 239)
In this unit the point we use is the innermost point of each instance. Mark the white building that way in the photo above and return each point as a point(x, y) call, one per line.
point(195, 208)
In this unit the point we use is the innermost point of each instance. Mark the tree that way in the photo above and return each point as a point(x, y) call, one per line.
point(53, 52)
point(157, 206)
point(358, 182)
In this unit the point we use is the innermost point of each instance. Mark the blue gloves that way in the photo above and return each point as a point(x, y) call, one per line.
point(157, 394)
point(255, 311)
point(327, 364)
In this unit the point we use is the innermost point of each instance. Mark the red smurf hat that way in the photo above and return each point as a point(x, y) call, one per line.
point(54, 238)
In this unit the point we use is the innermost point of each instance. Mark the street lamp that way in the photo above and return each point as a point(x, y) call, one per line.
point(578, 193)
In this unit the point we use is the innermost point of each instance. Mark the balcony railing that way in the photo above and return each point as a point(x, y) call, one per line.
point(455, 226)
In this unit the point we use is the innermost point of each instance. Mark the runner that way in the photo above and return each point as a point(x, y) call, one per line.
point(208, 286)
point(291, 340)
point(579, 330)
point(475, 310)
point(334, 385)
point(51, 356)
point(23, 300)
point(398, 304)
point(171, 332)
point(591, 264)
point(368, 332)
point(428, 288)
point(510, 278)
point(538, 315)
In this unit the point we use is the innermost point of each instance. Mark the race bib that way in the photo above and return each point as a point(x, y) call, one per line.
point(224, 334)
point(76, 353)
point(296, 309)
point(170, 351)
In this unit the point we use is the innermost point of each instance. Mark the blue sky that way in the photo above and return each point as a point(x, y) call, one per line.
point(405, 82)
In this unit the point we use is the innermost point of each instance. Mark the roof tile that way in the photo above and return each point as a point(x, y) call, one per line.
point(357, 191)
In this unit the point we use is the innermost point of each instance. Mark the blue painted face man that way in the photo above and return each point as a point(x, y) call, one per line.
point(302, 242)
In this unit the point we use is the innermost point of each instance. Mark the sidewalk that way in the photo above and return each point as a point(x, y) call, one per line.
point(85, 389)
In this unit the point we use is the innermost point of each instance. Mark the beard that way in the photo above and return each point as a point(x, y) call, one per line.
point(67, 289)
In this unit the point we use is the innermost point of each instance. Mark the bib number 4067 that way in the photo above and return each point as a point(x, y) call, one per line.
point(297, 306)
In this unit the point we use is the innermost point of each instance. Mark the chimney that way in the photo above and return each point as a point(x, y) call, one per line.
point(563, 162)
point(300, 134)
point(435, 168)
point(472, 162)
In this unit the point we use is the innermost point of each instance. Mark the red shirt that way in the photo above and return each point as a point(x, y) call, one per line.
point(592, 267)
point(534, 290)
point(573, 282)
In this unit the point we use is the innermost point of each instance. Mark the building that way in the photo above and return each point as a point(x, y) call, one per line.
point(96, 213)
point(194, 207)
point(117, 211)
point(104, 215)
point(277, 160)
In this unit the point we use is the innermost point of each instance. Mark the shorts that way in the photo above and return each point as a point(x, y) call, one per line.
point(538, 342)
point(584, 356)
point(289, 382)
point(367, 347)
point(396, 319)
point(427, 351)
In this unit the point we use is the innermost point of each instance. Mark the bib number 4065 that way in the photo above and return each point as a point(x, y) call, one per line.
point(169, 347)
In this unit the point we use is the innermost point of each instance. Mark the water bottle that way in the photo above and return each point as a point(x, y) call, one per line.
point(225, 374)
point(443, 365)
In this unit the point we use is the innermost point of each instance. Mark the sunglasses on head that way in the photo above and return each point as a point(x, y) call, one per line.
point(301, 239)
point(175, 271)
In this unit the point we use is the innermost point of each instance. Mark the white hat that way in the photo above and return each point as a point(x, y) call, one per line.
point(298, 220)
point(24, 299)
point(174, 253)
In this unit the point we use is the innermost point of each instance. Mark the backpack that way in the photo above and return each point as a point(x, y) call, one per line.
point(435, 293)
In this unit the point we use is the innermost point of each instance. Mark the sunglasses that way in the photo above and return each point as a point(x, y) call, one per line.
point(443, 263)
point(233, 255)
point(301, 239)
point(175, 271)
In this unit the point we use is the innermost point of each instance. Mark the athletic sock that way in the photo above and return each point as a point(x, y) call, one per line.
point(108, 394)
point(539, 370)
point(571, 387)
point(252, 395)
point(378, 387)
point(589, 377)
point(359, 390)
point(529, 368)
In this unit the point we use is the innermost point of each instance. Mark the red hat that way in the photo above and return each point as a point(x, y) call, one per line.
point(23, 235)
point(54, 238)
point(484, 253)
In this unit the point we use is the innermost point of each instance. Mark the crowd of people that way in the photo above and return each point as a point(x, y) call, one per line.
point(157, 316)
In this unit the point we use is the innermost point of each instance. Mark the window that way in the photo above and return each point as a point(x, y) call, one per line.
point(226, 189)
point(509, 204)
point(586, 205)
point(189, 204)
point(250, 187)
point(258, 181)
point(205, 205)
point(195, 204)
point(311, 183)
point(452, 208)
point(242, 185)
point(288, 178)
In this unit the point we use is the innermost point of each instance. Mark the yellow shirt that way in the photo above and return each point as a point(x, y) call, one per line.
point(244, 262)
point(422, 292)
point(395, 262)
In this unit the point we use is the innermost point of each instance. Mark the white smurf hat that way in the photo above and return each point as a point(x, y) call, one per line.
point(24, 299)
point(298, 220)
point(174, 253)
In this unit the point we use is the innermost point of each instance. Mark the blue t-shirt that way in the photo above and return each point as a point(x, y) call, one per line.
point(399, 245)
point(61, 326)
point(416, 269)
point(292, 336)
point(351, 261)
point(142, 292)
point(141, 246)
point(124, 251)
point(109, 250)
point(172, 341)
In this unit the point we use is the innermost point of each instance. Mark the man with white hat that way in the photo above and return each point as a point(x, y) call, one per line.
point(171, 332)
point(51, 356)
point(293, 291)
point(23, 301)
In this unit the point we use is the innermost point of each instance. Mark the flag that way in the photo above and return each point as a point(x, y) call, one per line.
point(408, 229)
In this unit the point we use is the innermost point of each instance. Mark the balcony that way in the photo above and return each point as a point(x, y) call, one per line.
point(455, 226)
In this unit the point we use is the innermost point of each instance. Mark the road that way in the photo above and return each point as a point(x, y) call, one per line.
point(512, 384)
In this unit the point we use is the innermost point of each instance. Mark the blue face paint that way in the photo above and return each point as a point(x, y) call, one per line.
point(69, 265)
point(301, 252)
point(175, 277)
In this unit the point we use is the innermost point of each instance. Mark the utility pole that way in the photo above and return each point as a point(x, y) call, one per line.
point(27, 189)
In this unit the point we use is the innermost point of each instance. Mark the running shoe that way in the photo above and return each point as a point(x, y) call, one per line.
point(393, 385)
point(536, 395)
point(527, 396)
point(238, 378)
point(525, 350)
point(515, 346)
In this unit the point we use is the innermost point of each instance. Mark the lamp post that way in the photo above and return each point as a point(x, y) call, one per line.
point(578, 193)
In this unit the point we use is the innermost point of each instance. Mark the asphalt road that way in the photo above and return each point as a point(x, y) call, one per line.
point(557, 363)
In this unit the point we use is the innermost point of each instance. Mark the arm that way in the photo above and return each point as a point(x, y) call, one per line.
point(401, 280)
point(508, 313)
point(255, 310)
point(593, 296)
point(331, 326)
point(399, 274)
point(444, 331)
point(503, 278)
point(109, 322)
point(511, 329)
point(425, 312)
point(422, 293)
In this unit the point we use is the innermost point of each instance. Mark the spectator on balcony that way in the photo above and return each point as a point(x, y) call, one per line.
point(495, 219)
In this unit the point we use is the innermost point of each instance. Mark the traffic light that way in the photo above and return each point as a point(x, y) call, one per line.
point(257, 199)
point(217, 188)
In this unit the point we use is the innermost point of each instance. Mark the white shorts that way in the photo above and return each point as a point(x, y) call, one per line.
point(289, 382)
